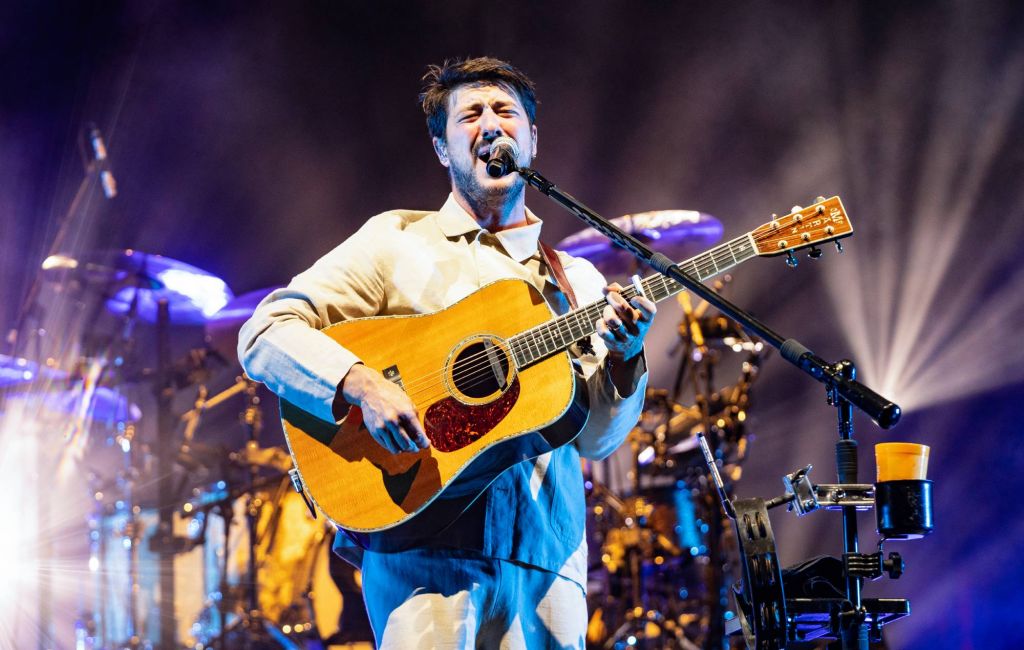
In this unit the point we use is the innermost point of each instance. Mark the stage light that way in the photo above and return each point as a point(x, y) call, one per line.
point(924, 295)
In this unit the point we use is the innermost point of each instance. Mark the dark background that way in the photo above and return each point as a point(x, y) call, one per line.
point(249, 138)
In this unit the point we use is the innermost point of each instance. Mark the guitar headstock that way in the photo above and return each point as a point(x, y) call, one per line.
point(821, 222)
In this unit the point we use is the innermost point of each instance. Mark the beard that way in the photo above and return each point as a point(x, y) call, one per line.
point(485, 196)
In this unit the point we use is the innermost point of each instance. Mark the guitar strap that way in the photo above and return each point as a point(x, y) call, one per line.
point(555, 266)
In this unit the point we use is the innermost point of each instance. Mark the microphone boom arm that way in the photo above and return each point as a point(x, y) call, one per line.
point(882, 410)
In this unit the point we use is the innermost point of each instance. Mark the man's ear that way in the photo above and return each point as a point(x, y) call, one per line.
point(441, 149)
point(533, 136)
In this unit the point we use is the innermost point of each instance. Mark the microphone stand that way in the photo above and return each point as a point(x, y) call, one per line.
point(843, 390)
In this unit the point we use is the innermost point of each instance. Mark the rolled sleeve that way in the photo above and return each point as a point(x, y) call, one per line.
point(612, 415)
point(298, 363)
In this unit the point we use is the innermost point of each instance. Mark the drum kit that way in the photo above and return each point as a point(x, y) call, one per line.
point(198, 510)
point(248, 564)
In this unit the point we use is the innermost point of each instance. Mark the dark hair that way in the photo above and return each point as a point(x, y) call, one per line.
point(441, 80)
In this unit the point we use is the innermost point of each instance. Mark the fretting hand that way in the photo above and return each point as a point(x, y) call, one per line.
point(623, 325)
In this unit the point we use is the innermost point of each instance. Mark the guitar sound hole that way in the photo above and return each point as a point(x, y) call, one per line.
point(476, 371)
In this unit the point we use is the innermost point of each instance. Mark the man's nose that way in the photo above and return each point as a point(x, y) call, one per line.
point(490, 125)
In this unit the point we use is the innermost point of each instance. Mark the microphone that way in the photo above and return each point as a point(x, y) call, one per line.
point(99, 155)
point(504, 153)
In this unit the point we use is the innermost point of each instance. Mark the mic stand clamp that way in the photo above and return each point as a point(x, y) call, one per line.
point(803, 497)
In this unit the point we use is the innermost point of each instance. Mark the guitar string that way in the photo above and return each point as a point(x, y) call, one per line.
point(704, 263)
point(553, 332)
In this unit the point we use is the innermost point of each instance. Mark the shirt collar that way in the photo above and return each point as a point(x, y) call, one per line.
point(520, 243)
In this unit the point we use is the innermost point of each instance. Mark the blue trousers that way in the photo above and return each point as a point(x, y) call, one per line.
point(426, 599)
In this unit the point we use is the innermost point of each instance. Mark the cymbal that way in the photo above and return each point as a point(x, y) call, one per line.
point(131, 276)
point(222, 327)
point(676, 233)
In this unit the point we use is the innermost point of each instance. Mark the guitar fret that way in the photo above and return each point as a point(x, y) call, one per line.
point(562, 334)
point(732, 253)
point(720, 253)
point(579, 332)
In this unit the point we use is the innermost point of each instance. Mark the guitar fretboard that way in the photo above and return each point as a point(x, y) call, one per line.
point(558, 334)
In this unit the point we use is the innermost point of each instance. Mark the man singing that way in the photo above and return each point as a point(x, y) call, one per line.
point(511, 571)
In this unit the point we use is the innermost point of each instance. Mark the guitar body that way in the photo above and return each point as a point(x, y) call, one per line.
point(482, 415)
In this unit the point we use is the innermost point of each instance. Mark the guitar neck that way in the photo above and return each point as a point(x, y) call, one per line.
point(558, 334)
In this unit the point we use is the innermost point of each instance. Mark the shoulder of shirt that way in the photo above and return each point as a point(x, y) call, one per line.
point(395, 219)
point(377, 235)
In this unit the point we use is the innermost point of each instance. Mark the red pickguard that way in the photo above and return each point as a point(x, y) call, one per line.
point(452, 425)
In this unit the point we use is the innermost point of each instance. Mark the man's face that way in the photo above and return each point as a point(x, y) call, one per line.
point(476, 116)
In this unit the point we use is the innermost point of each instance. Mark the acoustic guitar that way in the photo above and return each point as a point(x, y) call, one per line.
point(493, 384)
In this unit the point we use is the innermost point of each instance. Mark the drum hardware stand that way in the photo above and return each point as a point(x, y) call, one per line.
point(163, 543)
point(130, 530)
point(640, 614)
point(632, 621)
point(256, 628)
point(716, 578)
point(699, 361)
point(126, 479)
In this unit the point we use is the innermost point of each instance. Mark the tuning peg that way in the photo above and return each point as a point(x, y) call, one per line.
point(814, 253)
point(839, 246)
point(791, 260)
point(820, 199)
